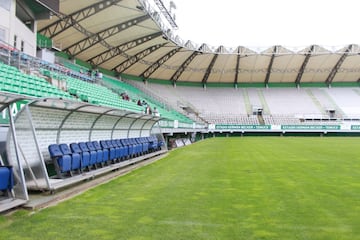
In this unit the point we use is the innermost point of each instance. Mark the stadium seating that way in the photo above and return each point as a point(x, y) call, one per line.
point(93, 154)
point(105, 152)
point(280, 105)
point(125, 149)
point(14, 81)
point(97, 94)
point(61, 160)
point(145, 144)
point(79, 87)
point(82, 156)
point(85, 155)
point(99, 152)
point(131, 149)
point(154, 143)
point(121, 151)
point(136, 93)
point(75, 157)
point(110, 149)
point(6, 179)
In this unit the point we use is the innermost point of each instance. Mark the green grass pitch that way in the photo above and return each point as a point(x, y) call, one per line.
point(220, 188)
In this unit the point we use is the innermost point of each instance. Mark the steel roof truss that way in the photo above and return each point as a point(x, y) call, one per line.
point(237, 70)
point(134, 59)
point(183, 66)
point(208, 70)
point(67, 21)
point(95, 38)
point(150, 70)
point(303, 65)
point(268, 73)
point(337, 66)
point(118, 50)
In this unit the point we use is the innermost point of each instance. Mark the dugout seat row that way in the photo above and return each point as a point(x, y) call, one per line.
point(6, 180)
point(85, 156)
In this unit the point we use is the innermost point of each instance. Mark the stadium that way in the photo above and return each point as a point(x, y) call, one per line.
point(114, 127)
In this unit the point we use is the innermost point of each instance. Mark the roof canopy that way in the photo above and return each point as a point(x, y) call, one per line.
point(128, 36)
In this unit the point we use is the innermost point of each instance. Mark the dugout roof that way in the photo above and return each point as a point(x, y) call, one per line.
point(130, 37)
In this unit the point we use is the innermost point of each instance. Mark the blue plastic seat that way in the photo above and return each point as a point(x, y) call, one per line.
point(104, 150)
point(85, 156)
point(6, 178)
point(75, 157)
point(131, 147)
point(145, 144)
point(93, 155)
point(123, 149)
point(62, 159)
point(137, 146)
point(117, 148)
point(154, 145)
point(99, 152)
point(111, 150)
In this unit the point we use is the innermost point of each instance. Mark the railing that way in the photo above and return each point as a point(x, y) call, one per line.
point(28, 64)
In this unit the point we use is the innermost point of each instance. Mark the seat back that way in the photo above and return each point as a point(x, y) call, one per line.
point(103, 144)
point(65, 149)
point(114, 143)
point(119, 143)
point(83, 147)
point(91, 146)
point(54, 150)
point(75, 148)
point(96, 145)
point(109, 143)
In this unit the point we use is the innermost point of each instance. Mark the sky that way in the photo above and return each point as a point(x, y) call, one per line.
point(262, 23)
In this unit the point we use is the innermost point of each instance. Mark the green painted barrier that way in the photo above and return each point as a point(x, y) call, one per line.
point(355, 127)
point(15, 108)
point(242, 127)
point(310, 127)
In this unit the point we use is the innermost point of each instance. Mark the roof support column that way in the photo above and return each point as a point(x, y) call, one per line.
point(303, 66)
point(338, 65)
point(208, 70)
point(270, 66)
point(150, 70)
point(237, 70)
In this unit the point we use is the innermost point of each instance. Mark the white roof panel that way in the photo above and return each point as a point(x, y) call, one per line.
point(93, 21)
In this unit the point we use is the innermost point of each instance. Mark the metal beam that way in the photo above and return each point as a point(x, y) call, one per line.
point(208, 70)
point(150, 70)
point(95, 38)
point(132, 60)
point(237, 70)
point(183, 66)
point(67, 21)
point(120, 49)
point(166, 13)
point(268, 73)
point(333, 72)
point(303, 65)
point(186, 63)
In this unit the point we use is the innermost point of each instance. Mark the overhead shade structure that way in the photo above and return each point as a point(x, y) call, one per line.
point(130, 37)
point(42, 122)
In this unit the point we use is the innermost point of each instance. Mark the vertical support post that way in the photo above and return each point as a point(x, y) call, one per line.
point(22, 176)
point(42, 162)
